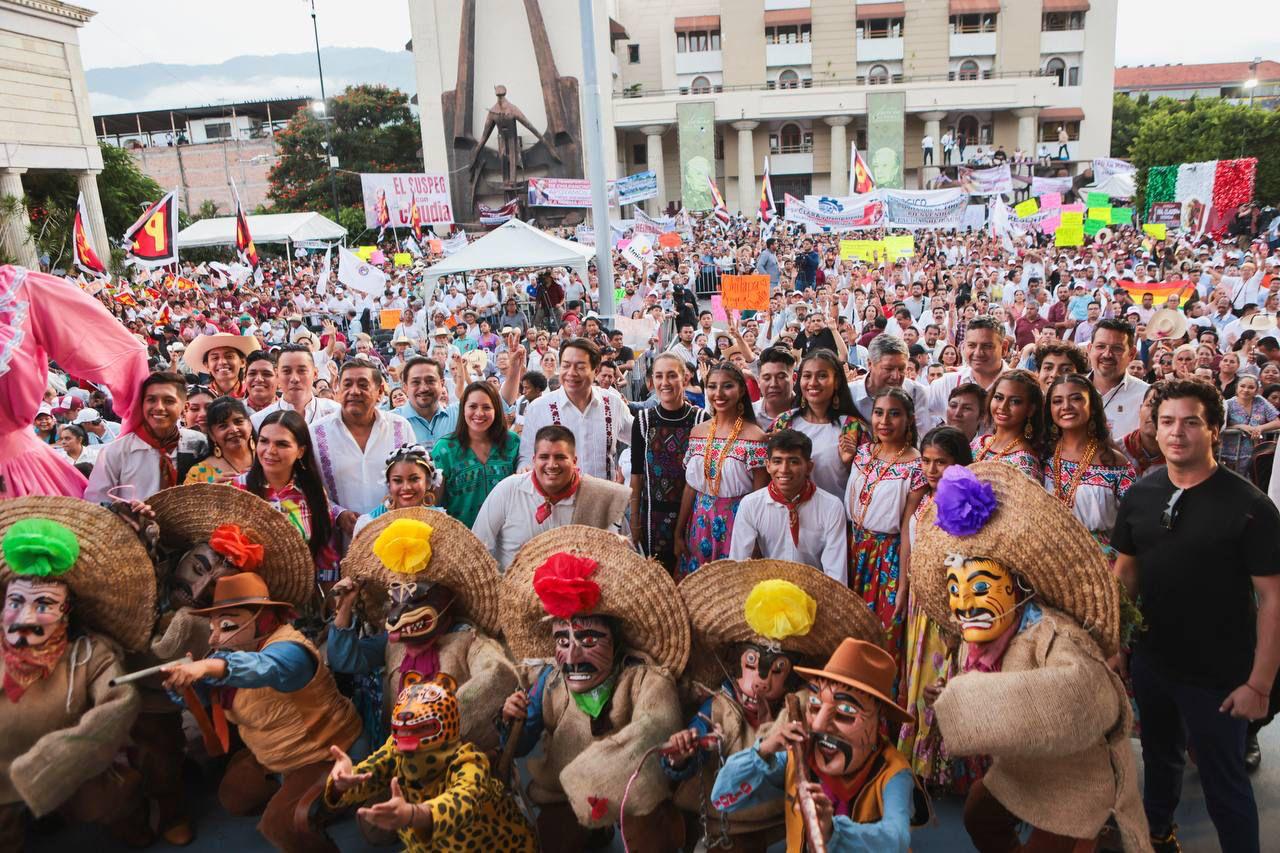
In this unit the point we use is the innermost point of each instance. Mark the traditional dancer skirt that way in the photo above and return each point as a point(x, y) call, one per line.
point(710, 526)
point(874, 561)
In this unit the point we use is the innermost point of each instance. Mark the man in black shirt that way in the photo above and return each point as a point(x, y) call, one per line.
point(1200, 547)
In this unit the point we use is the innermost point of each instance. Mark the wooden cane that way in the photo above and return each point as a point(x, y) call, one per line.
point(809, 811)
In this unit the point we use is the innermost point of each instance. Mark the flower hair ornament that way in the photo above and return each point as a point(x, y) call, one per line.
point(564, 586)
point(404, 547)
point(418, 455)
point(778, 609)
point(231, 542)
point(965, 503)
point(38, 547)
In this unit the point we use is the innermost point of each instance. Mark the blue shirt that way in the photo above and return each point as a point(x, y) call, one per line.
point(427, 432)
point(287, 667)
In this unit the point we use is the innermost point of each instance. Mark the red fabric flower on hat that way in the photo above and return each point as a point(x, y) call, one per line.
point(241, 551)
point(563, 584)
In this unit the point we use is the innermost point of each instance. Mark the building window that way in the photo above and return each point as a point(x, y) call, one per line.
point(880, 28)
point(973, 23)
point(788, 80)
point(700, 86)
point(1049, 130)
point(791, 139)
point(791, 34)
point(697, 41)
point(969, 70)
point(877, 76)
point(640, 154)
point(967, 130)
point(1057, 21)
point(220, 130)
point(1056, 68)
point(1073, 75)
point(633, 53)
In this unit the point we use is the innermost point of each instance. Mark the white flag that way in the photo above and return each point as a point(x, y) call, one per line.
point(322, 283)
point(358, 275)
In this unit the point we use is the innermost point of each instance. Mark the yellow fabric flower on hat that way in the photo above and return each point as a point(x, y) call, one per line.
point(405, 546)
point(778, 609)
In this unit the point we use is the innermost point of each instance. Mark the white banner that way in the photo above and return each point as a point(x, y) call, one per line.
point(497, 215)
point(559, 192)
point(835, 215)
point(634, 188)
point(924, 208)
point(975, 217)
point(430, 190)
point(639, 251)
point(1044, 186)
point(454, 244)
point(322, 282)
point(993, 181)
point(358, 275)
point(1104, 168)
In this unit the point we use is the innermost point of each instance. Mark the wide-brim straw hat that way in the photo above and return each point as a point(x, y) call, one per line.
point(715, 596)
point(637, 594)
point(459, 560)
point(188, 515)
point(193, 358)
point(1259, 322)
point(1033, 534)
point(112, 583)
point(1167, 325)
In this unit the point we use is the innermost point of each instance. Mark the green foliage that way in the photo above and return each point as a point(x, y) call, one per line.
point(208, 209)
point(373, 131)
point(1168, 132)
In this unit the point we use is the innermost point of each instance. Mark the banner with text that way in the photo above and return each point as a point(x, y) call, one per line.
point(914, 209)
point(886, 113)
point(993, 181)
point(849, 213)
point(430, 190)
point(497, 215)
point(559, 192)
point(634, 188)
point(1044, 186)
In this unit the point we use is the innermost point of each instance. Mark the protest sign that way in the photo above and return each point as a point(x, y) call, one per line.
point(1093, 226)
point(634, 188)
point(1122, 216)
point(1157, 230)
point(1043, 186)
point(402, 190)
point(1166, 213)
point(1074, 207)
point(899, 248)
point(993, 181)
point(403, 259)
point(1104, 168)
point(1072, 219)
point(436, 247)
point(1069, 235)
point(913, 209)
point(1026, 208)
point(1049, 201)
point(388, 319)
point(1102, 214)
point(861, 250)
point(745, 292)
point(718, 314)
point(1097, 200)
point(1050, 224)
point(365, 252)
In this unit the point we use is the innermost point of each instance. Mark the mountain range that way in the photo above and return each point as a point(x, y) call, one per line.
point(244, 78)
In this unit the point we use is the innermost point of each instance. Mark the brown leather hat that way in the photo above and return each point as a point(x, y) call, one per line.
point(865, 666)
point(244, 589)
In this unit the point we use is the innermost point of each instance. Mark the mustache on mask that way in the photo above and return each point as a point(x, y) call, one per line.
point(24, 629)
point(825, 741)
point(581, 667)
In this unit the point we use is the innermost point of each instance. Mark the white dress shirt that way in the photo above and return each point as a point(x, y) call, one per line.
point(919, 396)
point(130, 461)
point(940, 391)
point(1122, 404)
point(762, 524)
point(506, 519)
point(357, 479)
point(315, 411)
point(600, 431)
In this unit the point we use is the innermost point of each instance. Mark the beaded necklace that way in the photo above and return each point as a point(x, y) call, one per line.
point(1000, 454)
point(1069, 496)
point(713, 482)
point(869, 484)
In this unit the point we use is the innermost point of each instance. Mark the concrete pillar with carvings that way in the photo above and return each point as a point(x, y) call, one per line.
point(746, 165)
point(1027, 117)
point(653, 153)
point(839, 154)
point(14, 235)
point(932, 129)
point(87, 183)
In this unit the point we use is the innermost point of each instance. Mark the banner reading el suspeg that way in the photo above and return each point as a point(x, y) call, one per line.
point(431, 191)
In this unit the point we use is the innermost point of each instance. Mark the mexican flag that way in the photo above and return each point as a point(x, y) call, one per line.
point(1209, 192)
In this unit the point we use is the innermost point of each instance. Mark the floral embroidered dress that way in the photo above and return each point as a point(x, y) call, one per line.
point(1096, 499)
point(1022, 459)
point(717, 498)
point(44, 317)
point(1237, 449)
point(874, 502)
point(659, 440)
point(293, 504)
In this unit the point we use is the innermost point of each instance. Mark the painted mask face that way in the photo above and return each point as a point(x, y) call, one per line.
point(983, 596)
point(425, 716)
point(191, 584)
point(234, 629)
point(845, 726)
point(762, 679)
point(35, 611)
point(419, 612)
point(584, 651)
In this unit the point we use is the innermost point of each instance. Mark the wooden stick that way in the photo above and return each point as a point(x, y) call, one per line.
point(796, 753)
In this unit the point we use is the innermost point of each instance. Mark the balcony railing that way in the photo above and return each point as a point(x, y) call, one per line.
point(793, 148)
point(636, 91)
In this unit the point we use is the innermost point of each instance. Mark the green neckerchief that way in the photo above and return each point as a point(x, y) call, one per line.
point(593, 701)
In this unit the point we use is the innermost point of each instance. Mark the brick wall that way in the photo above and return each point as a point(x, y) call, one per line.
point(206, 171)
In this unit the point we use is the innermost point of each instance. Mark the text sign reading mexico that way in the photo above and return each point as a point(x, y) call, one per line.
point(431, 192)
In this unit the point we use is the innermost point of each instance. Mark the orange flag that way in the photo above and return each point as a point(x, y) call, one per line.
point(153, 239)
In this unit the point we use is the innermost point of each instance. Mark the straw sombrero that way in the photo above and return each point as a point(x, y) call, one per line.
point(196, 351)
point(458, 560)
point(636, 593)
point(189, 514)
point(1167, 325)
point(112, 581)
point(1029, 532)
point(715, 596)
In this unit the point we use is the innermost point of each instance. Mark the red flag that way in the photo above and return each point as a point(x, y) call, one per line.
point(767, 204)
point(124, 297)
point(162, 319)
point(415, 217)
point(862, 180)
point(244, 240)
point(82, 242)
point(153, 239)
point(720, 210)
point(381, 213)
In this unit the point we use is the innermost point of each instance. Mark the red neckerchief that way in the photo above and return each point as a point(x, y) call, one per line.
point(25, 666)
point(793, 506)
point(165, 445)
point(543, 512)
point(1141, 459)
point(988, 657)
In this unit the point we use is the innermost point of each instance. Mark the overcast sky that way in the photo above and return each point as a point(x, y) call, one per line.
point(133, 32)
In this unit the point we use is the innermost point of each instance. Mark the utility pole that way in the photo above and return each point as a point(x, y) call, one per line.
point(324, 117)
point(593, 132)
point(1253, 78)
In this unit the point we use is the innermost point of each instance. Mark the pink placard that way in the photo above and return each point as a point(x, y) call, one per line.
point(1050, 200)
point(1074, 207)
point(1050, 224)
point(717, 310)
point(377, 258)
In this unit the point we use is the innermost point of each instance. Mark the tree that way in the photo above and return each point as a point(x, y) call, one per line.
point(1209, 129)
point(1126, 114)
point(373, 131)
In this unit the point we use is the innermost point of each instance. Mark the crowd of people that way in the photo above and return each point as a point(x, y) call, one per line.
point(994, 481)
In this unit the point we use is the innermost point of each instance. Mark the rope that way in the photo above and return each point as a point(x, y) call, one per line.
point(706, 742)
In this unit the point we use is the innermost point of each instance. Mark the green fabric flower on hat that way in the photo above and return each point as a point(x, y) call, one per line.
point(38, 547)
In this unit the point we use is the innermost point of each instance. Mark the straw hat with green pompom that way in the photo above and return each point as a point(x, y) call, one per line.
point(90, 549)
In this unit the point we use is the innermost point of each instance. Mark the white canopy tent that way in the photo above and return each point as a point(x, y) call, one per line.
point(265, 228)
point(513, 245)
point(1119, 185)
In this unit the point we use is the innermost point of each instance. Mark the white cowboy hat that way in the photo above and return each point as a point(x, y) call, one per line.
point(1166, 325)
point(1259, 322)
point(196, 351)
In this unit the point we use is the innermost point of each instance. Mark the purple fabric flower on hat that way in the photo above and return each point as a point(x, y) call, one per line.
point(965, 503)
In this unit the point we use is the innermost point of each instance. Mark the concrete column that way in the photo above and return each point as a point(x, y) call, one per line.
point(932, 128)
point(14, 235)
point(1027, 119)
point(839, 154)
point(746, 165)
point(653, 152)
point(87, 183)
